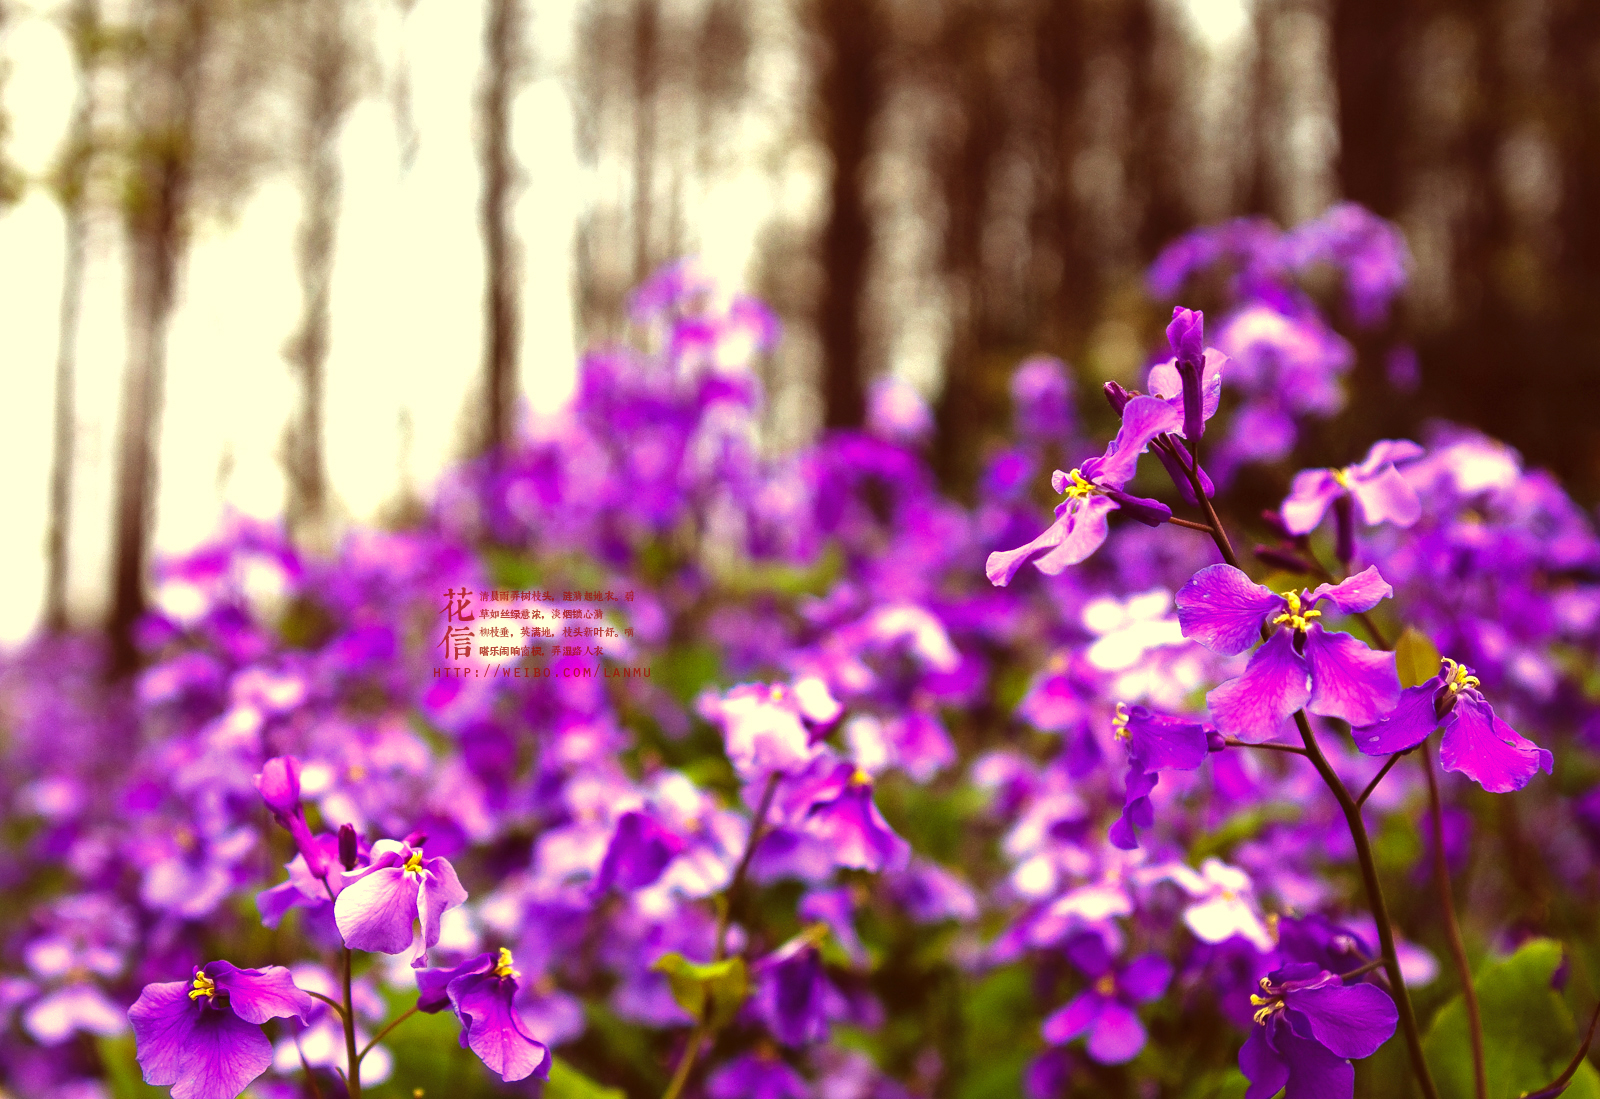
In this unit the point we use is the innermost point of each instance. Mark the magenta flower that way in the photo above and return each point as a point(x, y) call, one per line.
point(1374, 488)
point(1155, 742)
point(833, 804)
point(768, 728)
point(1105, 1010)
point(279, 784)
point(1475, 742)
point(759, 1075)
point(203, 1037)
point(792, 992)
point(640, 849)
point(381, 905)
point(1309, 1025)
point(480, 991)
point(1094, 491)
point(1301, 665)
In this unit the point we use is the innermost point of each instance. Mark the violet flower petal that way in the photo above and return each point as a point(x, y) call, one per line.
point(1349, 680)
point(1078, 531)
point(1073, 1019)
point(1355, 594)
point(1349, 1020)
point(376, 912)
point(256, 995)
point(492, 1029)
point(1116, 1035)
point(1487, 750)
point(1274, 685)
point(1222, 609)
point(1146, 978)
point(1386, 497)
point(1309, 496)
point(1262, 1066)
point(1407, 725)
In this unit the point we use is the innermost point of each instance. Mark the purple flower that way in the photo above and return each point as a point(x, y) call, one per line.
point(279, 784)
point(480, 991)
point(1155, 742)
point(792, 992)
point(1309, 1025)
point(639, 851)
point(1375, 486)
point(1094, 491)
point(1475, 741)
point(765, 727)
point(1301, 665)
point(760, 1075)
point(204, 1037)
point(380, 905)
point(1105, 1010)
point(844, 817)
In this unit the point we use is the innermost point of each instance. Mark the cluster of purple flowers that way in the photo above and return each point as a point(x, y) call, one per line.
point(877, 822)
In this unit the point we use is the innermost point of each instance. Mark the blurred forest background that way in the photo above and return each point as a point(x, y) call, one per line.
point(293, 256)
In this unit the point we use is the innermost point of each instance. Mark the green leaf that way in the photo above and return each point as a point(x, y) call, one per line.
point(1528, 1036)
point(567, 1082)
point(725, 983)
point(1415, 657)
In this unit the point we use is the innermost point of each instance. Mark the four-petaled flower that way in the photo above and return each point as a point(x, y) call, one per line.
point(1302, 665)
point(1093, 491)
point(1105, 1010)
point(481, 991)
point(381, 905)
point(1375, 486)
point(1155, 742)
point(203, 1036)
point(1308, 1026)
point(1475, 741)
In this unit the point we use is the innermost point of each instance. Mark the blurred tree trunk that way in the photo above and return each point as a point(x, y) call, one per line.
point(646, 78)
point(966, 406)
point(1370, 39)
point(71, 184)
point(852, 39)
point(327, 86)
point(504, 67)
point(162, 101)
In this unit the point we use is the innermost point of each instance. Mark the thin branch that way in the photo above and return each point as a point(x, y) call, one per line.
point(1452, 930)
point(330, 1002)
point(1235, 742)
point(1362, 970)
point(1559, 1084)
point(1377, 778)
point(1201, 527)
point(384, 1033)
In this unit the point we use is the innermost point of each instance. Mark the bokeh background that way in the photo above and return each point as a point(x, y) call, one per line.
point(291, 257)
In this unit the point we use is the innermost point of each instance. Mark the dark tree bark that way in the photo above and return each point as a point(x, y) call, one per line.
point(1370, 42)
point(851, 38)
point(646, 78)
point(504, 65)
point(71, 184)
point(163, 98)
point(327, 86)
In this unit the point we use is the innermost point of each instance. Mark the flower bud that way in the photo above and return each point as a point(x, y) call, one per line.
point(347, 846)
point(279, 784)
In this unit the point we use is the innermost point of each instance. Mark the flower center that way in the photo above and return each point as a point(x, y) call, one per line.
point(1458, 678)
point(1342, 476)
point(1079, 489)
point(1267, 1006)
point(505, 967)
point(414, 863)
point(203, 986)
point(1294, 617)
point(1119, 724)
point(1106, 985)
point(860, 778)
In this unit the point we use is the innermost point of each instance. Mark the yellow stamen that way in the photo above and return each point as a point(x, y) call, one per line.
point(860, 778)
point(1106, 985)
point(414, 863)
point(203, 986)
point(505, 967)
point(1079, 489)
point(1458, 678)
point(1119, 723)
point(1295, 617)
point(1342, 476)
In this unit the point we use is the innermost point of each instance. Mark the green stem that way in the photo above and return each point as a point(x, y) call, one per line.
point(1377, 778)
point(352, 1059)
point(1375, 902)
point(1452, 930)
point(384, 1033)
point(702, 1027)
